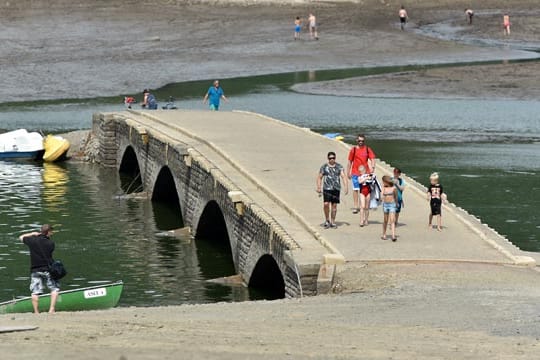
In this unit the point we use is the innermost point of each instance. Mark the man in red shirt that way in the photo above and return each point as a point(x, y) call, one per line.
point(360, 155)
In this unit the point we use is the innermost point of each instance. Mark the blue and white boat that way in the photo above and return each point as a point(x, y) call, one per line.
point(21, 144)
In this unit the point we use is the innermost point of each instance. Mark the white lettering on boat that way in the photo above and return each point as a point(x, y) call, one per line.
point(88, 294)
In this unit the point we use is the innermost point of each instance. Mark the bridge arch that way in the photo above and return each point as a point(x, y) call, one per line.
point(167, 207)
point(211, 232)
point(130, 172)
point(267, 277)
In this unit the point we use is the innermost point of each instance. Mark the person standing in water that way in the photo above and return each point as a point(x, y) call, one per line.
point(403, 17)
point(506, 24)
point(297, 27)
point(313, 27)
point(469, 13)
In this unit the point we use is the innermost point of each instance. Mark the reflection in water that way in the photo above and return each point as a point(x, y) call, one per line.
point(103, 238)
point(55, 179)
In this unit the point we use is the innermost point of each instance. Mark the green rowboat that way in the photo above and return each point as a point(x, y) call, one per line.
point(97, 297)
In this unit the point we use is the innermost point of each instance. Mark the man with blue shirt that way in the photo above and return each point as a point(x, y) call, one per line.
point(214, 95)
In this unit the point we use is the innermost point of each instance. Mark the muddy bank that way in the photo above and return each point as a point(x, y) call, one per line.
point(60, 49)
point(502, 81)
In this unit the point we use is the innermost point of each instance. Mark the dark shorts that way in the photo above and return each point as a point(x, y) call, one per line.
point(403, 20)
point(435, 205)
point(331, 196)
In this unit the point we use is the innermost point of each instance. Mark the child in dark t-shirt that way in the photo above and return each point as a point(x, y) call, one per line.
point(435, 196)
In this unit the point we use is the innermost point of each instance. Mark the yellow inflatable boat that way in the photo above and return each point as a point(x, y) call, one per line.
point(56, 148)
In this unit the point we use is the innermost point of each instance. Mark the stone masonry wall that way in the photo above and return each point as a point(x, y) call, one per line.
point(252, 234)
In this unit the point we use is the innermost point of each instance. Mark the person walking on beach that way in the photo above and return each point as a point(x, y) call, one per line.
point(297, 27)
point(435, 196)
point(313, 27)
point(403, 17)
point(359, 155)
point(41, 248)
point(329, 183)
point(399, 183)
point(214, 95)
point(389, 195)
point(469, 13)
point(506, 24)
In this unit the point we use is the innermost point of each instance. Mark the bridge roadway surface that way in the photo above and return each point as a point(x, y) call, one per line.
point(276, 165)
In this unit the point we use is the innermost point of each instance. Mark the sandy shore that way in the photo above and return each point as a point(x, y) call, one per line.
point(405, 311)
point(66, 49)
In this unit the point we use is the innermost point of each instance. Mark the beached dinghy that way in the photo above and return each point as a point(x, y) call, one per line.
point(56, 148)
point(103, 296)
point(21, 144)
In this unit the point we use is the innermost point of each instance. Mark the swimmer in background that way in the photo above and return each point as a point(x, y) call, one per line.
point(506, 24)
point(297, 27)
point(313, 27)
point(469, 14)
point(403, 17)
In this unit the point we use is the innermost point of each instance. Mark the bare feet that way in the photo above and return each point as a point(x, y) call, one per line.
point(383, 237)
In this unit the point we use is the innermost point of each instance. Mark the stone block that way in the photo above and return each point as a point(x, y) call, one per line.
point(333, 259)
point(325, 278)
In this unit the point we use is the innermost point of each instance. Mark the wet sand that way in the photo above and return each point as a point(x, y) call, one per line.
point(66, 49)
point(493, 82)
point(63, 49)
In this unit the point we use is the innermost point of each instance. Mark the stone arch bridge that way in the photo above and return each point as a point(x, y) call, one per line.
point(271, 246)
point(249, 180)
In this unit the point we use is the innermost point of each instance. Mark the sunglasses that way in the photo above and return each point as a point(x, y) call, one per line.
point(331, 158)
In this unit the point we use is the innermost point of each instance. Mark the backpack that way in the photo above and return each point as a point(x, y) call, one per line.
point(57, 270)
